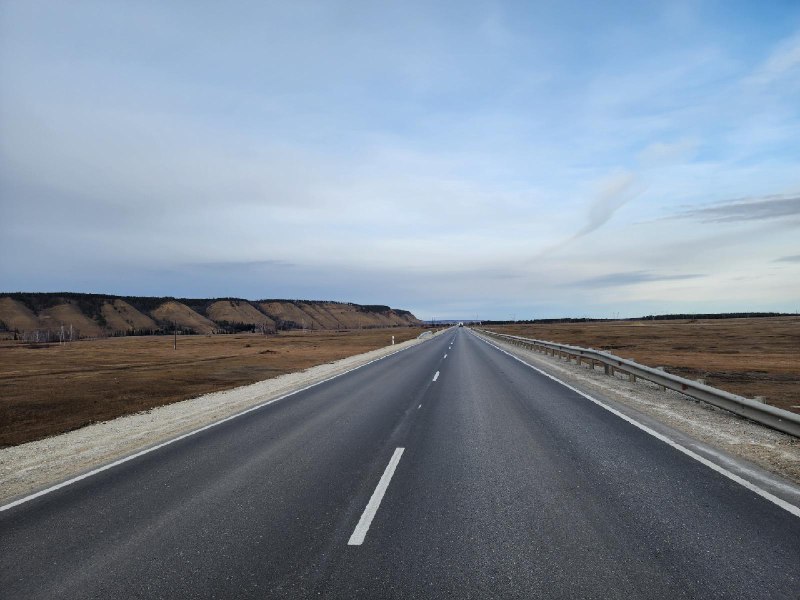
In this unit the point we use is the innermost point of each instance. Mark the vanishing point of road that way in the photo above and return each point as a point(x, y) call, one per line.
point(447, 470)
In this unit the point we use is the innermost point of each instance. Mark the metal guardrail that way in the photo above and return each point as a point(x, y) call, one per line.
point(771, 416)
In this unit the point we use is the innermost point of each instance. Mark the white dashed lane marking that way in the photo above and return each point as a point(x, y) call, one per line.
point(360, 532)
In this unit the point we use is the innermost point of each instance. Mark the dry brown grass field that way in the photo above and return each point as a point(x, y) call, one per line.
point(749, 357)
point(49, 389)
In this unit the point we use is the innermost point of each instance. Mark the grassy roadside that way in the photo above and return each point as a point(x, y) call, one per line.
point(50, 389)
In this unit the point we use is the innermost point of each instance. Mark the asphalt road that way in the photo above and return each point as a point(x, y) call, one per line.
point(508, 485)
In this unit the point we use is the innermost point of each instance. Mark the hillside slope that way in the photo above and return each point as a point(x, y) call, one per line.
point(237, 311)
point(15, 315)
point(121, 316)
point(184, 317)
point(40, 316)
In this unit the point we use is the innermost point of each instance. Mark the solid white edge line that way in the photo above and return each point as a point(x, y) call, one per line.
point(183, 436)
point(791, 508)
point(435, 377)
point(360, 532)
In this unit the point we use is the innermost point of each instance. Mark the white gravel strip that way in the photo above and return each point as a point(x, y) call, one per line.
point(36, 465)
point(771, 450)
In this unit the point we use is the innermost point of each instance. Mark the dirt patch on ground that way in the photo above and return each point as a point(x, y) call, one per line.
point(749, 357)
point(50, 388)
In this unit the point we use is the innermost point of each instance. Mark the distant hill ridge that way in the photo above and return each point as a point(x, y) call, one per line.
point(93, 315)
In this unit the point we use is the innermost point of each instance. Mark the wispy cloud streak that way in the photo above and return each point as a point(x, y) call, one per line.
point(783, 59)
point(614, 193)
point(746, 209)
point(628, 278)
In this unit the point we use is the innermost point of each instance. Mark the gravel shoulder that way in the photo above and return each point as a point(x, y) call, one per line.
point(37, 465)
point(769, 458)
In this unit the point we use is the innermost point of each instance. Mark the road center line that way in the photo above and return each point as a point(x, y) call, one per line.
point(360, 532)
point(435, 377)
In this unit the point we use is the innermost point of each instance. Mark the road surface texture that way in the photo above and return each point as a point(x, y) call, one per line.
point(422, 475)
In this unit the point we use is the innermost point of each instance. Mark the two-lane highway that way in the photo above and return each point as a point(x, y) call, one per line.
point(449, 469)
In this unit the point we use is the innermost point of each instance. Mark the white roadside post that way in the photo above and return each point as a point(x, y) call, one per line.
point(392, 340)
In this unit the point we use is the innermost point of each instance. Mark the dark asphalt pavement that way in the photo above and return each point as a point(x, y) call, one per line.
point(509, 486)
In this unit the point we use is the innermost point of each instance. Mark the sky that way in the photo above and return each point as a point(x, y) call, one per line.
point(492, 160)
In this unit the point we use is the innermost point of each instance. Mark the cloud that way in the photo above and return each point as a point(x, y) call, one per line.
point(272, 156)
point(790, 259)
point(746, 209)
point(661, 153)
point(245, 265)
point(614, 192)
point(783, 59)
point(628, 278)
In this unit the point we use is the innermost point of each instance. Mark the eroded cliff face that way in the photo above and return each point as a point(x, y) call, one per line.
point(92, 315)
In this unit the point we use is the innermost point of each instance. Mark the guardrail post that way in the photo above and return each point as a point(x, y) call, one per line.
point(661, 387)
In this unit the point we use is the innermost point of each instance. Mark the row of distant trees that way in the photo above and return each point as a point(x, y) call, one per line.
point(50, 335)
point(670, 317)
